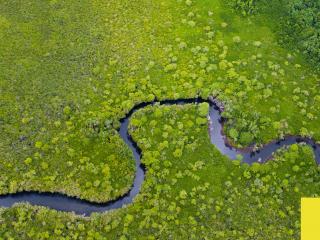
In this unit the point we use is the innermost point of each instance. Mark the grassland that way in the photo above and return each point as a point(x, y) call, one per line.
point(70, 70)
point(190, 191)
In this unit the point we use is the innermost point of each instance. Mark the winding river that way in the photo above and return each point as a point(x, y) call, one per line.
point(63, 202)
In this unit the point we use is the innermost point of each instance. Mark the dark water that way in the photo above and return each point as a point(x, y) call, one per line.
point(247, 155)
point(62, 202)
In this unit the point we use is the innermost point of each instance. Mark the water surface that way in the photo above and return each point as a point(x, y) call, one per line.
point(63, 202)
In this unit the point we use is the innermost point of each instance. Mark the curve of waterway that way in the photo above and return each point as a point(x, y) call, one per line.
point(63, 202)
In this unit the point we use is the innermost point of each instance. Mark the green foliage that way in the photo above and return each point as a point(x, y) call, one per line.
point(246, 138)
point(209, 196)
point(72, 69)
point(48, 94)
point(201, 120)
point(246, 7)
point(233, 133)
point(302, 26)
point(203, 109)
point(298, 22)
point(177, 153)
point(28, 161)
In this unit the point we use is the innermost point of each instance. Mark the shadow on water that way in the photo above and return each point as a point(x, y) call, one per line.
point(63, 202)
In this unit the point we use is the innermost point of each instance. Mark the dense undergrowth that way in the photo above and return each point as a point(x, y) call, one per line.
point(297, 22)
point(69, 70)
point(50, 140)
point(190, 190)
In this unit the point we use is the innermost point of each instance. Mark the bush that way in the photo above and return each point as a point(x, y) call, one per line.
point(246, 138)
point(246, 7)
point(303, 26)
point(203, 109)
point(300, 25)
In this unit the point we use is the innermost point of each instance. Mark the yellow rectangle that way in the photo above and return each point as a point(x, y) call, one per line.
point(310, 218)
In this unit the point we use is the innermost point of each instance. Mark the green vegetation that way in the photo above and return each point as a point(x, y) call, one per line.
point(69, 70)
point(297, 21)
point(51, 134)
point(194, 193)
point(245, 7)
point(303, 27)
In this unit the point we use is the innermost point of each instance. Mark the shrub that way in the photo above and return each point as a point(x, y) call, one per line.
point(246, 138)
point(234, 134)
point(203, 109)
point(246, 7)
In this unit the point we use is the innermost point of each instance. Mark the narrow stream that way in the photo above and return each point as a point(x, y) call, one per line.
point(63, 202)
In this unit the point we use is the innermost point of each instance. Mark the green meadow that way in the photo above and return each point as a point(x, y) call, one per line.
point(70, 70)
